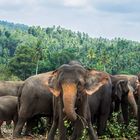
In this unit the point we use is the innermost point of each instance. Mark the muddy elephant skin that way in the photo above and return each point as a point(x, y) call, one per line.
point(10, 87)
point(124, 87)
point(100, 103)
point(34, 99)
point(71, 85)
point(8, 110)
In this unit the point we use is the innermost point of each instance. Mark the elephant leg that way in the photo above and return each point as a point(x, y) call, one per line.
point(74, 134)
point(91, 132)
point(92, 135)
point(78, 127)
point(54, 126)
point(61, 127)
point(102, 117)
point(31, 122)
point(15, 120)
point(101, 124)
point(49, 123)
point(78, 124)
point(1, 136)
point(52, 131)
point(25, 112)
point(139, 116)
point(124, 107)
point(83, 112)
point(8, 122)
point(78, 130)
point(22, 118)
point(19, 126)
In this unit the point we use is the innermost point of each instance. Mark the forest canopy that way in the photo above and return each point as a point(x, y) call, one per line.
point(26, 51)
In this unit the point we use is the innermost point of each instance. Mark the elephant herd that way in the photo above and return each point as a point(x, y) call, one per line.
point(71, 92)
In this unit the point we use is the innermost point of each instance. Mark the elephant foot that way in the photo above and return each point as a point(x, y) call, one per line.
point(1, 136)
point(49, 138)
point(27, 133)
point(17, 136)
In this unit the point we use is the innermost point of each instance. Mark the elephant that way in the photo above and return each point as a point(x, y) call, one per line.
point(100, 103)
point(139, 110)
point(132, 79)
point(138, 106)
point(123, 89)
point(10, 87)
point(34, 99)
point(71, 85)
point(8, 110)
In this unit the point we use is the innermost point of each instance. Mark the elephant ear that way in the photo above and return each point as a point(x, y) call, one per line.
point(123, 87)
point(53, 84)
point(94, 81)
point(120, 87)
point(131, 89)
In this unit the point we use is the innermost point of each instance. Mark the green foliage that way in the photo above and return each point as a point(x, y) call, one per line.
point(68, 125)
point(13, 26)
point(22, 64)
point(41, 126)
point(116, 129)
point(25, 51)
point(6, 75)
point(35, 50)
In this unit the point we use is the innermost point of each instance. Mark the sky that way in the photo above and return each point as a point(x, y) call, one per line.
point(98, 18)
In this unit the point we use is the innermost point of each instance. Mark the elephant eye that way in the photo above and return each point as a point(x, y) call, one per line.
point(80, 85)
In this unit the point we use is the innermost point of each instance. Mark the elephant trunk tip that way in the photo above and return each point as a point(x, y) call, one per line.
point(73, 118)
point(70, 115)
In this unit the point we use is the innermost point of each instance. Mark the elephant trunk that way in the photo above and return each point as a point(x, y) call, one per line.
point(132, 102)
point(69, 97)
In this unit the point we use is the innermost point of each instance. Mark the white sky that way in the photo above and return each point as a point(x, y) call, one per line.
point(105, 18)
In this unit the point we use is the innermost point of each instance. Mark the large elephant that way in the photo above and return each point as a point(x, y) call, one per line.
point(100, 103)
point(71, 85)
point(8, 110)
point(10, 87)
point(34, 99)
point(124, 87)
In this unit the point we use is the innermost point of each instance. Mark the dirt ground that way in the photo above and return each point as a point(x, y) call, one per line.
point(7, 134)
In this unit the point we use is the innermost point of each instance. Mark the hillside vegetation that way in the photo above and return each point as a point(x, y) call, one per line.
point(25, 51)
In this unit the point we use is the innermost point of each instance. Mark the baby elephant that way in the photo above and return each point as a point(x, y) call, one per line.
point(8, 110)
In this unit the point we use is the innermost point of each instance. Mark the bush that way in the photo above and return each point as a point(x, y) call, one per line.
point(115, 129)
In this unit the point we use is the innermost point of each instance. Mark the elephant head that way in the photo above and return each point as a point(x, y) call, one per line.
point(124, 89)
point(70, 81)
